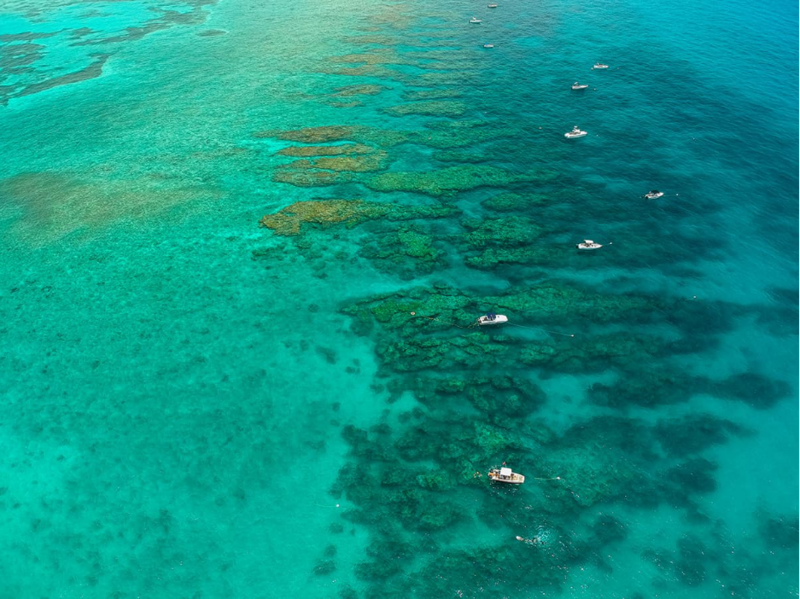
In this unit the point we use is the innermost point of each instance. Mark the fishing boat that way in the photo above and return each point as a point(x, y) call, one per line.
point(492, 6)
point(577, 85)
point(653, 194)
point(588, 244)
point(600, 65)
point(575, 133)
point(505, 475)
point(488, 45)
point(491, 318)
point(474, 20)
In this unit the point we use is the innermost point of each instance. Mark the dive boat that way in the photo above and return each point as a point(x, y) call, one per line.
point(588, 244)
point(600, 65)
point(577, 85)
point(491, 318)
point(653, 194)
point(575, 133)
point(505, 475)
point(474, 20)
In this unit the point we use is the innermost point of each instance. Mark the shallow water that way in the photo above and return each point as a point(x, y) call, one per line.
point(199, 406)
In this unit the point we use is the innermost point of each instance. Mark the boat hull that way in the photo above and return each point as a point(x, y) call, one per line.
point(515, 479)
point(485, 322)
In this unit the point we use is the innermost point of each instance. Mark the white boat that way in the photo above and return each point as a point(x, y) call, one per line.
point(577, 85)
point(600, 65)
point(474, 20)
point(492, 6)
point(588, 244)
point(575, 133)
point(492, 318)
point(488, 45)
point(505, 475)
point(653, 194)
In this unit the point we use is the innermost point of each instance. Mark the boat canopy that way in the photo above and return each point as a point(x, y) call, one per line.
point(505, 472)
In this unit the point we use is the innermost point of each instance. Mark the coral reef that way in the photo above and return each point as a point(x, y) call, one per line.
point(304, 177)
point(508, 231)
point(431, 94)
point(321, 212)
point(359, 90)
point(409, 251)
point(447, 181)
point(358, 163)
point(312, 151)
point(326, 212)
point(429, 108)
point(511, 202)
point(694, 433)
point(311, 135)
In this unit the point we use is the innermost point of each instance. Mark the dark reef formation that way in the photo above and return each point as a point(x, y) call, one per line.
point(476, 225)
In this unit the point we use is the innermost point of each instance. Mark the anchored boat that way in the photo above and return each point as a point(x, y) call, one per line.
point(505, 475)
point(588, 244)
point(474, 20)
point(575, 133)
point(600, 65)
point(653, 194)
point(577, 85)
point(492, 318)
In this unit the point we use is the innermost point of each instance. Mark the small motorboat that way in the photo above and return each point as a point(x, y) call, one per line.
point(577, 85)
point(488, 45)
point(653, 194)
point(588, 244)
point(491, 318)
point(600, 65)
point(505, 475)
point(474, 20)
point(492, 6)
point(575, 133)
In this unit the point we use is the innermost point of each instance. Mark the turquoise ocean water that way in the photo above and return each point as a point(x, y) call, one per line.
point(194, 404)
